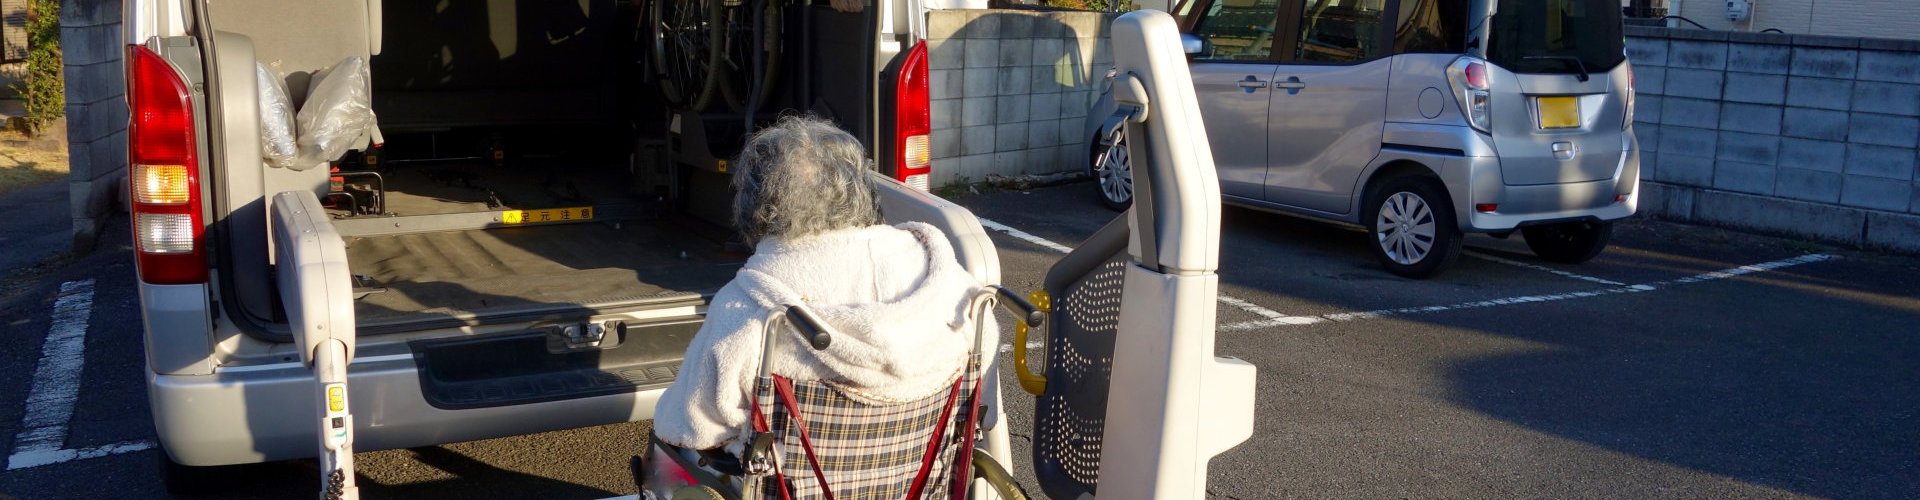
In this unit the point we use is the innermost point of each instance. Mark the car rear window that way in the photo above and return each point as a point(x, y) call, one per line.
point(1548, 36)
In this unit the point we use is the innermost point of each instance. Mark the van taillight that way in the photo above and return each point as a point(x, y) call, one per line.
point(164, 172)
point(1627, 120)
point(913, 124)
point(1473, 87)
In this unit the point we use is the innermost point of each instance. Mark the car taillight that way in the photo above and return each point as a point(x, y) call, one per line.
point(913, 124)
point(164, 172)
point(1628, 119)
point(1473, 85)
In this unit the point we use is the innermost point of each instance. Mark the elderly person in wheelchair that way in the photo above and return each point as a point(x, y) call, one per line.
point(839, 362)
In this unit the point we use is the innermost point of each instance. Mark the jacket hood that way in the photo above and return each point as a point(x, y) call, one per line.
point(893, 297)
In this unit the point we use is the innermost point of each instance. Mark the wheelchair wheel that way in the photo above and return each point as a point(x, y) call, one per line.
point(686, 51)
point(697, 493)
point(739, 28)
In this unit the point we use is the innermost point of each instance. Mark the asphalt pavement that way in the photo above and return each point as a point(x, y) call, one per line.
point(1685, 362)
point(35, 226)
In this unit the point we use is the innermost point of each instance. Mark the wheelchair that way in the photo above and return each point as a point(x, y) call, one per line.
point(815, 439)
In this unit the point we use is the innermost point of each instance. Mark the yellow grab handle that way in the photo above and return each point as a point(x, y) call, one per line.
point(1033, 383)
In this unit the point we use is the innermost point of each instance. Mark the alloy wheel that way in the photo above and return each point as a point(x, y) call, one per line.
point(1405, 228)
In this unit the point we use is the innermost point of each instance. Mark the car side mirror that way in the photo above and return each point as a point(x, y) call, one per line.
point(1192, 44)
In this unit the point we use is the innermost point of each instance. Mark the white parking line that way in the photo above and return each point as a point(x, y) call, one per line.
point(1030, 238)
point(1530, 299)
point(1764, 266)
point(1538, 267)
point(1007, 347)
point(56, 385)
point(1272, 318)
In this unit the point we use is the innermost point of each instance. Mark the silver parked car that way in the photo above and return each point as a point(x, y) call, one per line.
point(1420, 120)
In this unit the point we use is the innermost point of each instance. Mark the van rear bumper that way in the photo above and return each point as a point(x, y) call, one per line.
point(269, 413)
point(1518, 206)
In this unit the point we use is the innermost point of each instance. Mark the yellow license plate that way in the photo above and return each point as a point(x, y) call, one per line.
point(546, 215)
point(1559, 112)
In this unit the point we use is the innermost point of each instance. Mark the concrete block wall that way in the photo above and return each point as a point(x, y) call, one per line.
point(1808, 135)
point(1011, 90)
point(96, 115)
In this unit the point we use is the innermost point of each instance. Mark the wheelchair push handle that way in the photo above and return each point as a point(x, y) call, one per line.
point(1019, 306)
point(811, 327)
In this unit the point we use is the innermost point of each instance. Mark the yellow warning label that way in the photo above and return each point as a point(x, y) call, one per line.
point(336, 397)
point(546, 215)
point(723, 166)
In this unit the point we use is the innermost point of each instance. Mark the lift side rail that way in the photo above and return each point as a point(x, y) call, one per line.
point(317, 289)
point(1173, 405)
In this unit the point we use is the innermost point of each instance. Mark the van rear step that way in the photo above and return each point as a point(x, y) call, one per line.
point(520, 368)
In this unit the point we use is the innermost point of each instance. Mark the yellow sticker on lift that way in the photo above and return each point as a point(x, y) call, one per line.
point(723, 166)
point(546, 215)
point(336, 398)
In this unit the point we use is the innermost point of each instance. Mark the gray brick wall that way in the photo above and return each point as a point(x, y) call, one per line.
point(13, 30)
point(1011, 90)
point(1782, 132)
point(96, 114)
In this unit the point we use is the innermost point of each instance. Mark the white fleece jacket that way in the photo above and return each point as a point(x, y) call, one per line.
point(895, 295)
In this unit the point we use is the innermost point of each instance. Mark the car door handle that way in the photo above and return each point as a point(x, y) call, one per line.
point(1292, 85)
point(1252, 83)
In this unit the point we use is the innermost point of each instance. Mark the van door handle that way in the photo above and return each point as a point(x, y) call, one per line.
point(1293, 85)
point(1250, 83)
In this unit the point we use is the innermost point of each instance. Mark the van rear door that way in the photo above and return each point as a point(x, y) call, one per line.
point(1560, 90)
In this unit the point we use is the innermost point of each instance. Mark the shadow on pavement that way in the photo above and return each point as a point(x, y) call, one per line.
point(1821, 401)
point(470, 478)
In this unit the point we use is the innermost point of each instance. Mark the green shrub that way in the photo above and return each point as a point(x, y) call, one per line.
point(1093, 5)
point(45, 90)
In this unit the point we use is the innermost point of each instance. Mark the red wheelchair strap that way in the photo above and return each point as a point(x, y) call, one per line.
point(963, 466)
point(933, 445)
point(784, 388)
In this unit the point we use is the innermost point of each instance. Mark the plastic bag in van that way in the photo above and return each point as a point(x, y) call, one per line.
point(338, 112)
point(277, 144)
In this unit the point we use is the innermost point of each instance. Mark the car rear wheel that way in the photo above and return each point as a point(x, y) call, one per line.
point(1113, 169)
point(1568, 242)
point(1412, 224)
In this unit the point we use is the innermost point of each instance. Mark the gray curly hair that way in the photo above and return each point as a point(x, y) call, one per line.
point(801, 177)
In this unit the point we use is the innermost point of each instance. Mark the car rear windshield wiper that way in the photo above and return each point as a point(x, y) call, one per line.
point(1577, 64)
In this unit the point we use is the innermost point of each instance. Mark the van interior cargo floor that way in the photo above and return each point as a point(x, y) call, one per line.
point(459, 187)
point(459, 275)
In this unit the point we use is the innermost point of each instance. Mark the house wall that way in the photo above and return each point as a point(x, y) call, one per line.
point(1011, 90)
point(96, 114)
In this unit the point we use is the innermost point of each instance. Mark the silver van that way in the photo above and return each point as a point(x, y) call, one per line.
point(1420, 120)
point(532, 228)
